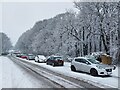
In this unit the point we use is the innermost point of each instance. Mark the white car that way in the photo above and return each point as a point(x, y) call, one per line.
point(91, 66)
point(40, 58)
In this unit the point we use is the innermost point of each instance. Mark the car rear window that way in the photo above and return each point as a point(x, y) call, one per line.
point(57, 58)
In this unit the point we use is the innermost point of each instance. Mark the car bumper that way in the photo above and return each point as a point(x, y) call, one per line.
point(41, 61)
point(104, 72)
point(31, 59)
point(60, 64)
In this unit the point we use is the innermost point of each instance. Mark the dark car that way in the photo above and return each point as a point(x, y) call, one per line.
point(4, 53)
point(55, 61)
point(18, 55)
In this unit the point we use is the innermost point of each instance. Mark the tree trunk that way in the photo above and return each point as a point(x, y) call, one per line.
point(108, 44)
point(105, 45)
point(77, 53)
point(84, 46)
point(100, 41)
point(90, 46)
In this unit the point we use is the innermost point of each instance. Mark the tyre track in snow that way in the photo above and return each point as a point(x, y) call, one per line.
point(48, 83)
point(77, 82)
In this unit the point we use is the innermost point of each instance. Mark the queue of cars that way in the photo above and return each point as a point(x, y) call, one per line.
point(51, 60)
point(84, 64)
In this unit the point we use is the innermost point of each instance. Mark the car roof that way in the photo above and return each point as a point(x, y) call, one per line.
point(55, 56)
point(40, 55)
point(30, 54)
point(81, 58)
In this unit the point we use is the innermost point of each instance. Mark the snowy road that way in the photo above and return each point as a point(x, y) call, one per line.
point(13, 76)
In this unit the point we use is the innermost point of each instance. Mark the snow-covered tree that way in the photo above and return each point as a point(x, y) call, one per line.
point(118, 51)
point(5, 43)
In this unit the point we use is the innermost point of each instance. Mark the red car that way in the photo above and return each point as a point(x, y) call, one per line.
point(23, 56)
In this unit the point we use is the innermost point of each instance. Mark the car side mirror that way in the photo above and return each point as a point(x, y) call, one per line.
point(87, 63)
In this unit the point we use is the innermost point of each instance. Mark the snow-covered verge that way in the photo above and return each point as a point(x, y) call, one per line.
point(0, 74)
point(116, 72)
point(104, 82)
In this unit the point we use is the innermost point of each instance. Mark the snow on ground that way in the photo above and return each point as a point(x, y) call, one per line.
point(0, 74)
point(12, 76)
point(98, 81)
point(115, 72)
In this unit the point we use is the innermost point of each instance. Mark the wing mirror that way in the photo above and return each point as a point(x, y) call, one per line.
point(88, 63)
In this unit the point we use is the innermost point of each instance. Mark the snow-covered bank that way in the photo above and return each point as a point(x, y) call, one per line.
point(104, 82)
point(116, 72)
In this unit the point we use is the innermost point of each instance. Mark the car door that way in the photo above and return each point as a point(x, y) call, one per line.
point(85, 65)
point(36, 58)
point(49, 60)
point(78, 64)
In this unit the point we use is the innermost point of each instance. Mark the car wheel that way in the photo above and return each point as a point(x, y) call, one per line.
point(38, 61)
point(93, 72)
point(73, 68)
point(53, 64)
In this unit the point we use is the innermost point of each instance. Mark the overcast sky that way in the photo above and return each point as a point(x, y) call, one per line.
point(17, 17)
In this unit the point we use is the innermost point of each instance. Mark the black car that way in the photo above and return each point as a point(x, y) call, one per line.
point(55, 61)
point(18, 54)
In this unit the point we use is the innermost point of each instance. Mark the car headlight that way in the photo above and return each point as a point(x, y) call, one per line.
point(100, 67)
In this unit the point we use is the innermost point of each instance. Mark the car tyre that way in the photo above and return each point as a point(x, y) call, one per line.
point(38, 61)
point(73, 68)
point(53, 64)
point(93, 72)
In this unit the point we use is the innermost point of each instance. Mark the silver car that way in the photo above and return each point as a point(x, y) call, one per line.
point(91, 66)
point(31, 57)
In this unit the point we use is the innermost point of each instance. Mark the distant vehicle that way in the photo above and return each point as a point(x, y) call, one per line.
point(18, 54)
point(4, 53)
point(40, 58)
point(23, 56)
point(91, 66)
point(55, 60)
point(31, 57)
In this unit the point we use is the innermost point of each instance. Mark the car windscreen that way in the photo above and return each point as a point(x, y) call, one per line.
point(93, 61)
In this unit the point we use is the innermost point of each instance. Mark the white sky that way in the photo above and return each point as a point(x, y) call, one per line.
point(17, 17)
